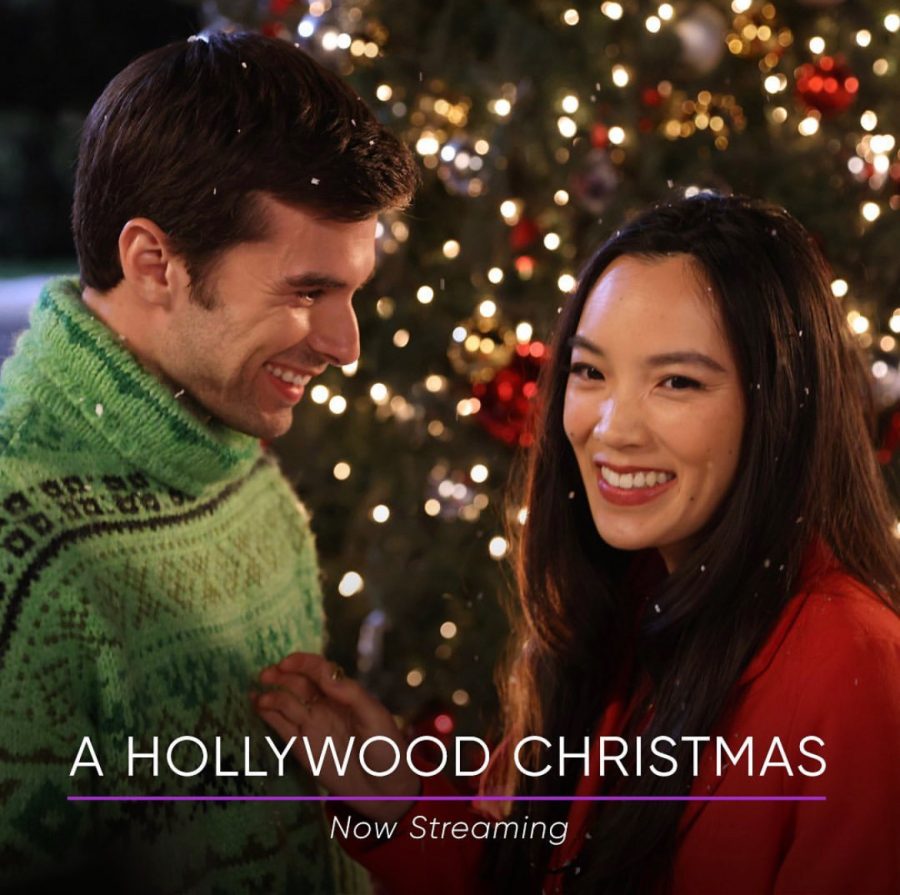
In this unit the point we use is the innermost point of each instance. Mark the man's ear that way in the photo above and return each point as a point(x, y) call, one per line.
point(149, 266)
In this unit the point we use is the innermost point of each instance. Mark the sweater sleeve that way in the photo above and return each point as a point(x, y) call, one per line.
point(432, 849)
point(851, 843)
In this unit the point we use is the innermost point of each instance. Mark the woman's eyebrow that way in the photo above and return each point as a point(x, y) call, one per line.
point(581, 342)
point(685, 357)
point(656, 360)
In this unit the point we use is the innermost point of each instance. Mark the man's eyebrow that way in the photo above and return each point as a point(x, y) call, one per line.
point(657, 360)
point(315, 280)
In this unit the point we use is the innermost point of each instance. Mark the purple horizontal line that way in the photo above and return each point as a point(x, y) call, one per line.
point(446, 799)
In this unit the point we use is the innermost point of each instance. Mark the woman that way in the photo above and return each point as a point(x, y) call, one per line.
point(708, 553)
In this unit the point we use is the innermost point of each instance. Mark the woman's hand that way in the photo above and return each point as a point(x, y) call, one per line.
point(312, 699)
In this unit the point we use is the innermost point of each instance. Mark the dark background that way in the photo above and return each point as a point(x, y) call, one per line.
point(58, 57)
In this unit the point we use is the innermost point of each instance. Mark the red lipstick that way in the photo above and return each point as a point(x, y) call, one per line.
point(630, 497)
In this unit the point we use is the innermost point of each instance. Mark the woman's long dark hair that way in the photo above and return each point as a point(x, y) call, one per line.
point(807, 470)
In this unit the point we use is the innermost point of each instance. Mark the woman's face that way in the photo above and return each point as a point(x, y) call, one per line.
point(654, 406)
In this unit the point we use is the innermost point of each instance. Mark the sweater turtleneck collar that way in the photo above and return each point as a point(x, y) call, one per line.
point(123, 404)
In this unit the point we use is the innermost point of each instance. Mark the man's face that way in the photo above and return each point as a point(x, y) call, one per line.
point(281, 312)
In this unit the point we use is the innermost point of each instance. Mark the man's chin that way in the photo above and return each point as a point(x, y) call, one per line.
point(266, 427)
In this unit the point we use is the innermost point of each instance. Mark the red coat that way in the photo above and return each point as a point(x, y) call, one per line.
point(831, 668)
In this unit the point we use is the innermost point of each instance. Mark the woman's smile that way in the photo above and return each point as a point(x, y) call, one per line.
point(632, 486)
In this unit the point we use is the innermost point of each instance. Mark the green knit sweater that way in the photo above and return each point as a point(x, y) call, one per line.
point(150, 566)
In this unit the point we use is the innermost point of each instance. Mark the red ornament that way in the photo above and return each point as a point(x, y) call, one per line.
point(273, 29)
point(525, 266)
point(651, 97)
point(507, 401)
point(599, 136)
point(524, 235)
point(827, 85)
point(437, 720)
point(891, 440)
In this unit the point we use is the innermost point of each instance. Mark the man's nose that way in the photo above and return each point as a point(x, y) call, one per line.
point(334, 333)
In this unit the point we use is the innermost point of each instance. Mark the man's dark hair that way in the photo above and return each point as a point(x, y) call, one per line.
point(190, 134)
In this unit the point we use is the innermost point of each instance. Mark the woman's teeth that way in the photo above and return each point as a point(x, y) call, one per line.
point(629, 480)
point(287, 376)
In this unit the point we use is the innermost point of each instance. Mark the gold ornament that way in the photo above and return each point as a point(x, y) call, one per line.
point(756, 34)
point(718, 113)
point(480, 346)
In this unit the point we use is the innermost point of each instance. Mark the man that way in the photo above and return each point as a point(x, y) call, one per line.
point(152, 556)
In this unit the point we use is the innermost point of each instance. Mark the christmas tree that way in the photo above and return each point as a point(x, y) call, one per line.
point(541, 125)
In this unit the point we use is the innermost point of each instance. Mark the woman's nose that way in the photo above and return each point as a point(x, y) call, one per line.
point(620, 422)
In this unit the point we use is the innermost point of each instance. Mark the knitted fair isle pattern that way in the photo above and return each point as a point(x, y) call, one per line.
point(150, 566)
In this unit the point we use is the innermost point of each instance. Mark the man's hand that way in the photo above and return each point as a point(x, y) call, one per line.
point(311, 698)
